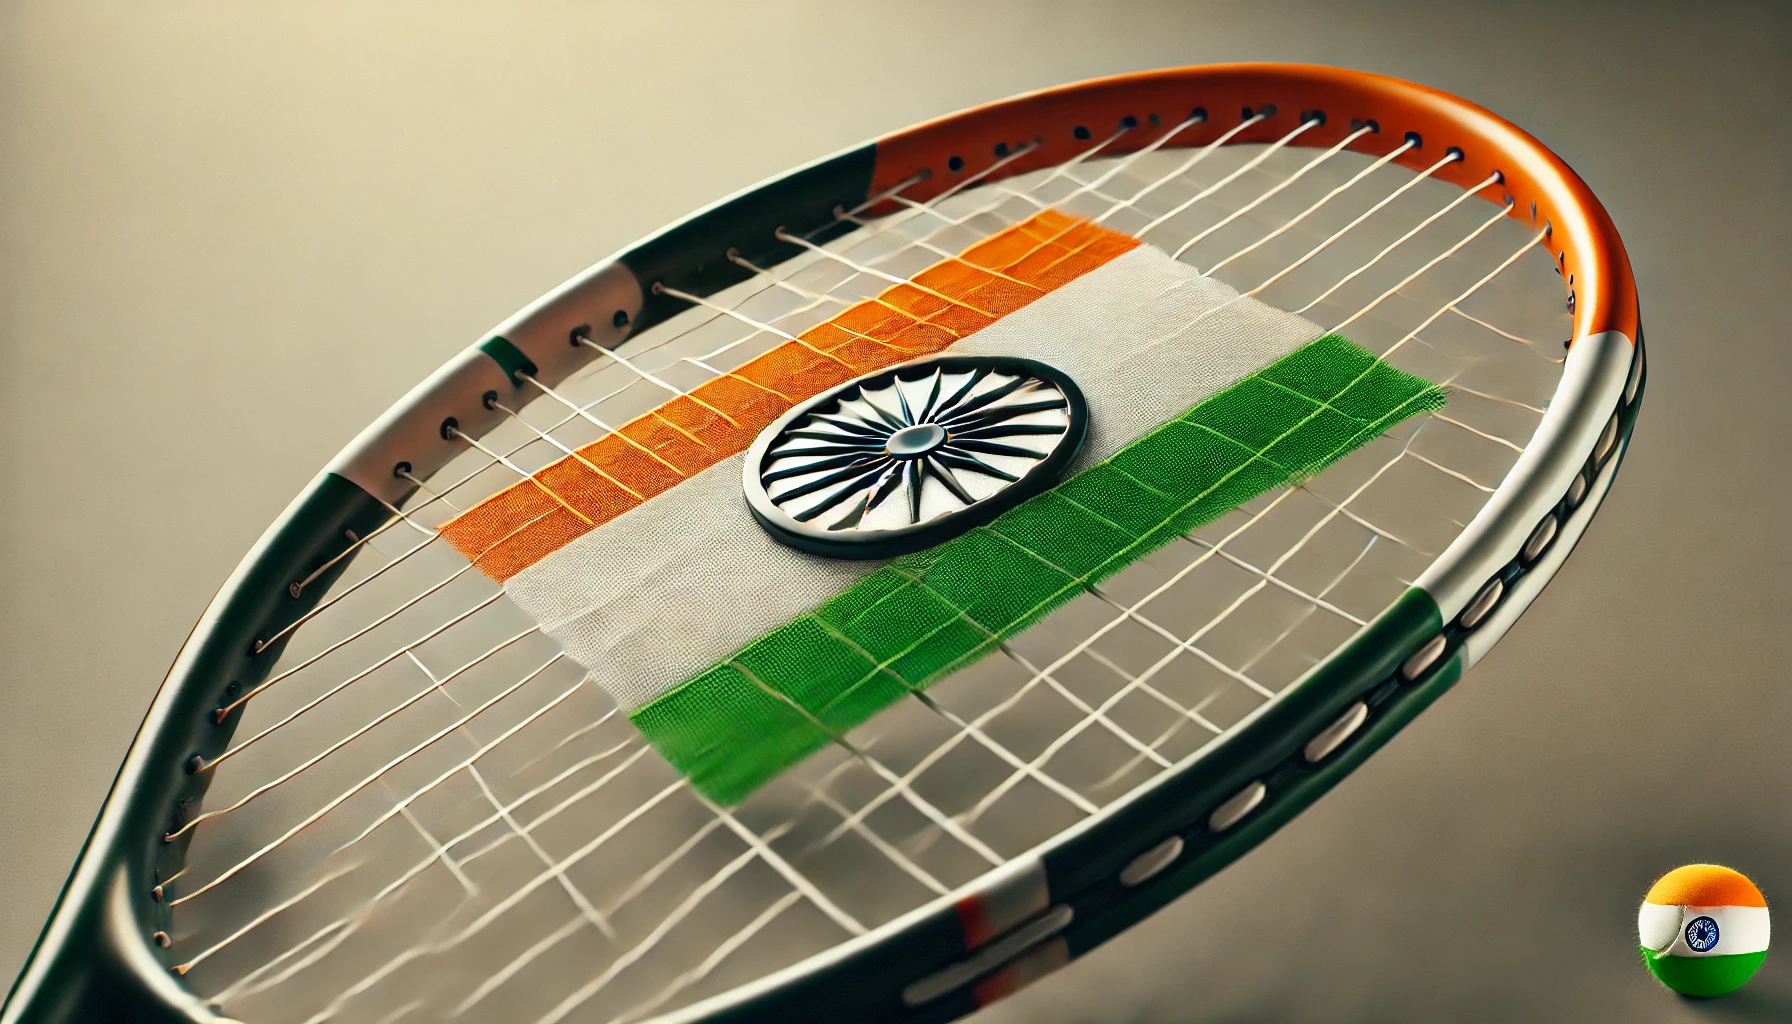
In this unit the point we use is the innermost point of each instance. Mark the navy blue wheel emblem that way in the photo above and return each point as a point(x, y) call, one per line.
point(1701, 934)
point(904, 458)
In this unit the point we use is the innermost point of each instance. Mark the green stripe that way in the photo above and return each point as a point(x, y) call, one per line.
point(925, 615)
point(1703, 975)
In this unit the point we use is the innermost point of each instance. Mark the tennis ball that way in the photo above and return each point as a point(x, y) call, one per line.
point(1703, 930)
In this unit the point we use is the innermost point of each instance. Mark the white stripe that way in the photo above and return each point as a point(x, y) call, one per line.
point(1739, 929)
point(1657, 924)
point(669, 588)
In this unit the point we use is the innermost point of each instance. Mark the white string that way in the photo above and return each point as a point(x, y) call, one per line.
point(485, 919)
point(1268, 194)
point(1249, 165)
point(1181, 169)
point(1301, 217)
point(963, 728)
point(586, 910)
point(678, 914)
point(1132, 612)
point(319, 756)
point(308, 706)
point(714, 960)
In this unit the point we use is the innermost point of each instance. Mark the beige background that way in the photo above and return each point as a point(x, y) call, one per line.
point(231, 233)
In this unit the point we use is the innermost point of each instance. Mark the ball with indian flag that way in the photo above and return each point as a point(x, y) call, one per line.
point(1703, 930)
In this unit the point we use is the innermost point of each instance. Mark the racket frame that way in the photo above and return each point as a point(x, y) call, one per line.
point(101, 956)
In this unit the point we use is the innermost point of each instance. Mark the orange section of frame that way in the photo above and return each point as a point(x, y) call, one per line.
point(517, 527)
point(1542, 189)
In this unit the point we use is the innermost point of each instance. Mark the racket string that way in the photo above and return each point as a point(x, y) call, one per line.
point(315, 759)
point(893, 851)
point(1099, 714)
point(406, 516)
point(883, 226)
point(502, 459)
point(495, 457)
point(1300, 218)
point(1269, 193)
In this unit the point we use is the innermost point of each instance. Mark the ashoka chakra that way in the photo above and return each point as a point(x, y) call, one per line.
point(910, 456)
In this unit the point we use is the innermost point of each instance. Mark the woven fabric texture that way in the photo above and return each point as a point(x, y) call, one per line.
point(518, 526)
point(668, 589)
point(907, 625)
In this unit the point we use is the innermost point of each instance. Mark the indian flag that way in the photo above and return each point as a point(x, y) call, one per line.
point(737, 655)
point(1703, 929)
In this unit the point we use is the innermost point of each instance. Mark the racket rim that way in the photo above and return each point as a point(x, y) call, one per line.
point(97, 893)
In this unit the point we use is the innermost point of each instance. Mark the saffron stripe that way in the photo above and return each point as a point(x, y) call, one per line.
point(777, 700)
point(518, 526)
point(666, 590)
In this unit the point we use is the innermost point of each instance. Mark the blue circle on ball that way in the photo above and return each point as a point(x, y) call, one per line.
point(1701, 934)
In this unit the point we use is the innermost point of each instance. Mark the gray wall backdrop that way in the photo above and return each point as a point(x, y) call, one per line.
point(231, 234)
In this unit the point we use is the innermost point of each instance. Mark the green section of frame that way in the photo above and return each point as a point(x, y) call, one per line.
point(693, 254)
point(509, 358)
point(922, 616)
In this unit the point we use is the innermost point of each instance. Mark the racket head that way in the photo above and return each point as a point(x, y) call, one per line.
point(102, 953)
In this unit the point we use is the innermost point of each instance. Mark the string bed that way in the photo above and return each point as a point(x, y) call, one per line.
point(428, 813)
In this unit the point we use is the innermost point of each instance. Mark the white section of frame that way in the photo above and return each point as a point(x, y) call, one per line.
point(1526, 588)
point(411, 430)
point(1592, 381)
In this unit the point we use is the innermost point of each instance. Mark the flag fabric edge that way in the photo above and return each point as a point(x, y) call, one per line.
point(736, 725)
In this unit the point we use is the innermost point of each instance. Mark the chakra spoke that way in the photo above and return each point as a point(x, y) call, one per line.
point(838, 496)
point(933, 397)
point(842, 438)
point(996, 448)
point(829, 449)
point(856, 472)
point(993, 395)
point(885, 487)
point(943, 474)
point(1011, 430)
point(855, 426)
point(908, 415)
point(952, 458)
point(914, 490)
point(1001, 413)
point(888, 416)
point(873, 498)
point(963, 390)
point(815, 467)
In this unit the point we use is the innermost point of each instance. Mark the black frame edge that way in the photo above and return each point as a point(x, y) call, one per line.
point(692, 254)
point(88, 963)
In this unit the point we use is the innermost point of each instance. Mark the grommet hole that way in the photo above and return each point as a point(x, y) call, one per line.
point(1333, 736)
point(1484, 602)
point(1234, 810)
point(1539, 540)
point(1423, 658)
point(1149, 864)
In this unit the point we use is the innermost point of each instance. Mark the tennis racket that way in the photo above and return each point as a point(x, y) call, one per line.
point(884, 585)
